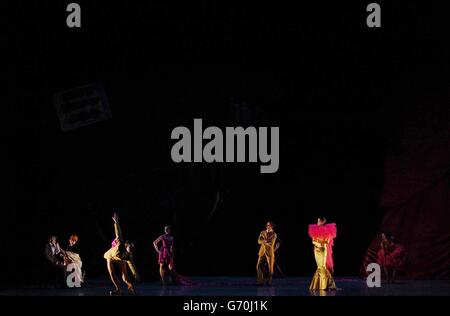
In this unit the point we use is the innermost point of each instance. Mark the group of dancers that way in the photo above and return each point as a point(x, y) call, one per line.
point(119, 258)
point(59, 258)
point(322, 235)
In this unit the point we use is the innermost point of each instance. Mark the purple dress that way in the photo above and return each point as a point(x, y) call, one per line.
point(166, 257)
point(165, 252)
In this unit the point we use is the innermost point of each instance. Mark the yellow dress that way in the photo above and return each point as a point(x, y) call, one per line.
point(116, 255)
point(322, 279)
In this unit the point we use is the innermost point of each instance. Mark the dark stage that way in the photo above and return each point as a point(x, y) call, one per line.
point(119, 115)
point(245, 286)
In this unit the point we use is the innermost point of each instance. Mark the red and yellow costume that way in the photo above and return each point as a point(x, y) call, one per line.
point(322, 239)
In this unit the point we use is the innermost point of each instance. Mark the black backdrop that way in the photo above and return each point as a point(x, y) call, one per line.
point(337, 89)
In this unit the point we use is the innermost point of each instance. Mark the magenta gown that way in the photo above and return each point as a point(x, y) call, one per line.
point(165, 256)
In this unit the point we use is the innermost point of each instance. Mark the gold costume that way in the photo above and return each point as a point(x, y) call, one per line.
point(322, 279)
point(266, 254)
point(115, 254)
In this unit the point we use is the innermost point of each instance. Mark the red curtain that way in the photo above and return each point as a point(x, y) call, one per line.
point(416, 200)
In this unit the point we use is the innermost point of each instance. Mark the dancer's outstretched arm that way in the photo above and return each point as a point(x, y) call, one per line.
point(117, 229)
point(132, 266)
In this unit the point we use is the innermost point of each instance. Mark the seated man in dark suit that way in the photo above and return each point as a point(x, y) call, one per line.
point(54, 263)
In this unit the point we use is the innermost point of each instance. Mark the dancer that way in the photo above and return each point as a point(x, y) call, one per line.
point(267, 239)
point(165, 254)
point(391, 256)
point(166, 259)
point(117, 258)
point(322, 235)
point(130, 258)
point(72, 256)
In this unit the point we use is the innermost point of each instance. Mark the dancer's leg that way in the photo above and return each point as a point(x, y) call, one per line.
point(125, 276)
point(171, 269)
point(112, 275)
point(162, 273)
point(270, 262)
point(259, 270)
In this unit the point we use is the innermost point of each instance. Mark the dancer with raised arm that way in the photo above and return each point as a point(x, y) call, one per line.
point(117, 259)
point(322, 235)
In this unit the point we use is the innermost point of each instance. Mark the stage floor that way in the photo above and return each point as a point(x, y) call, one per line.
point(245, 286)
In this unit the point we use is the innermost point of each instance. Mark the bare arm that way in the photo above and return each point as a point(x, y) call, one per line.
point(132, 266)
point(155, 243)
point(133, 269)
point(117, 230)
